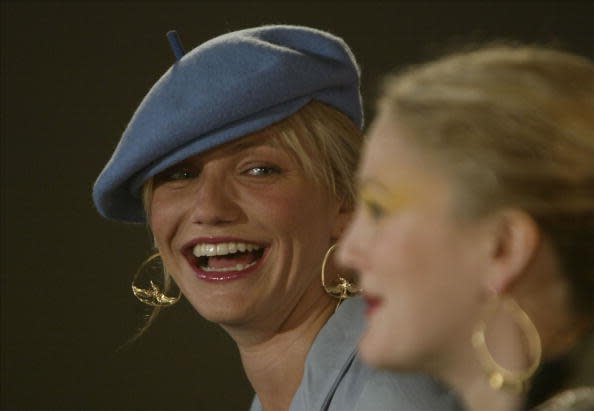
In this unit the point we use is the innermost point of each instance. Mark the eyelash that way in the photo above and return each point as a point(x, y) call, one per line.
point(183, 173)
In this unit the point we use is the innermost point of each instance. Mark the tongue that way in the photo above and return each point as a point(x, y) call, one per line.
point(231, 260)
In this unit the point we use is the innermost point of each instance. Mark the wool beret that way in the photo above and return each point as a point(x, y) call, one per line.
point(226, 88)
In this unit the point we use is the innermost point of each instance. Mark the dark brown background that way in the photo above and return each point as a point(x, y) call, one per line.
point(72, 74)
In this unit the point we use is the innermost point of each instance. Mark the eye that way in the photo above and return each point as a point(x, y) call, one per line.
point(177, 173)
point(261, 171)
point(375, 210)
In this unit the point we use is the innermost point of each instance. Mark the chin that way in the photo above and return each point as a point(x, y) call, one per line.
point(384, 352)
point(372, 359)
point(224, 318)
point(374, 351)
point(220, 312)
point(387, 359)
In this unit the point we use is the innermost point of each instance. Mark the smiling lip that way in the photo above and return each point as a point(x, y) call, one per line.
point(220, 276)
point(373, 303)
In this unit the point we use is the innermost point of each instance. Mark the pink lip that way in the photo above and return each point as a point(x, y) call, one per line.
point(215, 276)
point(373, 303)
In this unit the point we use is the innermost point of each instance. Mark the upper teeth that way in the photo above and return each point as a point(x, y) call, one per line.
point(209, 249)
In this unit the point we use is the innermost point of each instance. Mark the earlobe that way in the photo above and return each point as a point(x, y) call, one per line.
point(516, 239)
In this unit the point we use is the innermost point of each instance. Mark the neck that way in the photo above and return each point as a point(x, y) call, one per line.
point(470, 380)
point(274, 358)
point(462, 369)
point(479, 396)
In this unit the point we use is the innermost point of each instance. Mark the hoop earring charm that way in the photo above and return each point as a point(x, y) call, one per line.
point(343, 289)
point(144, 287)
point(500, 377)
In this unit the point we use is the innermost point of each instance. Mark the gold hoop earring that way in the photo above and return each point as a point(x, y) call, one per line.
point(145, 288)
point(500, 377)
point(343, 289)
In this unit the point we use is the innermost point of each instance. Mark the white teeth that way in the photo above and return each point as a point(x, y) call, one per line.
point(210, 250)
point(237, 267)
point(222, 249)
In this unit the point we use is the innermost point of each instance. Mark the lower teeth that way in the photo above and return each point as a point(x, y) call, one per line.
point(238, 267)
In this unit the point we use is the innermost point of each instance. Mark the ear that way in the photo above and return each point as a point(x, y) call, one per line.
point(342, 220)
point(515, 241)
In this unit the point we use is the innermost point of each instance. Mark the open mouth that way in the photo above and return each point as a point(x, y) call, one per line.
point(224, 260)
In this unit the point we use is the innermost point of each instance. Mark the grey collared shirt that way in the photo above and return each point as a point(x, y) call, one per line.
point(335, 379)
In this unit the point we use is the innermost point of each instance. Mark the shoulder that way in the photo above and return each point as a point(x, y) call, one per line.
point(256, 405)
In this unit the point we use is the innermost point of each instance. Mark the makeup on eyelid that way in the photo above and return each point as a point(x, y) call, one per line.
point(383, 201)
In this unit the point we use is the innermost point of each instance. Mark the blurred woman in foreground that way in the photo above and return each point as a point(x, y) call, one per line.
point(474, 231)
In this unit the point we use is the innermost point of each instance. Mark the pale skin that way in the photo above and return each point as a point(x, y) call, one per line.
point(253, 191)
point(431, 272)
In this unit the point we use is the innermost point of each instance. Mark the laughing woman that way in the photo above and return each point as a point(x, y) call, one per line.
point(241, 159)
point(477, 191)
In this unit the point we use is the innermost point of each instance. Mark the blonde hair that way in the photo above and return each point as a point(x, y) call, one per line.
point(326, 143)
point(515, 126)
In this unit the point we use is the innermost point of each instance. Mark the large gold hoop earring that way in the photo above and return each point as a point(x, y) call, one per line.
point(343, 288)
point(144, 283)
point(500, 377)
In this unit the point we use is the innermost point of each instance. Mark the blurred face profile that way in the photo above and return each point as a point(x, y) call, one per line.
point(419, 263)
point(243, 230)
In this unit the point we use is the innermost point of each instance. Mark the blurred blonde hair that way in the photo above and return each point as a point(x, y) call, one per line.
point(514, 125)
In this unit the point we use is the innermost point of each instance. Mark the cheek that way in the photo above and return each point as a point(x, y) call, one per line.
point(420, 273)
point(301, 222)
point(413, 267)
point(395, 250)
point(164, 218)
point(415, 249)
point(294, 211)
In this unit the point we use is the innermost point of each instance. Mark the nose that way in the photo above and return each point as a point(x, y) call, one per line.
point(352, 246)
point(214, 203)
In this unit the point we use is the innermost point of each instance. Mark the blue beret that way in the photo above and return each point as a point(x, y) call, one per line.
point(226, 88)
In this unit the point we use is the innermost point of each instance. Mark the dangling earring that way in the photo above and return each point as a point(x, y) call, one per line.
point(343, 289)
point(145, 288)
point(500, 377)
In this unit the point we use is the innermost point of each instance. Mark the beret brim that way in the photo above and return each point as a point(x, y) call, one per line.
point(228, 87)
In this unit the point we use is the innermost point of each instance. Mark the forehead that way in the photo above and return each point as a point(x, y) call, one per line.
point(390, 153)
point(394, 164)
